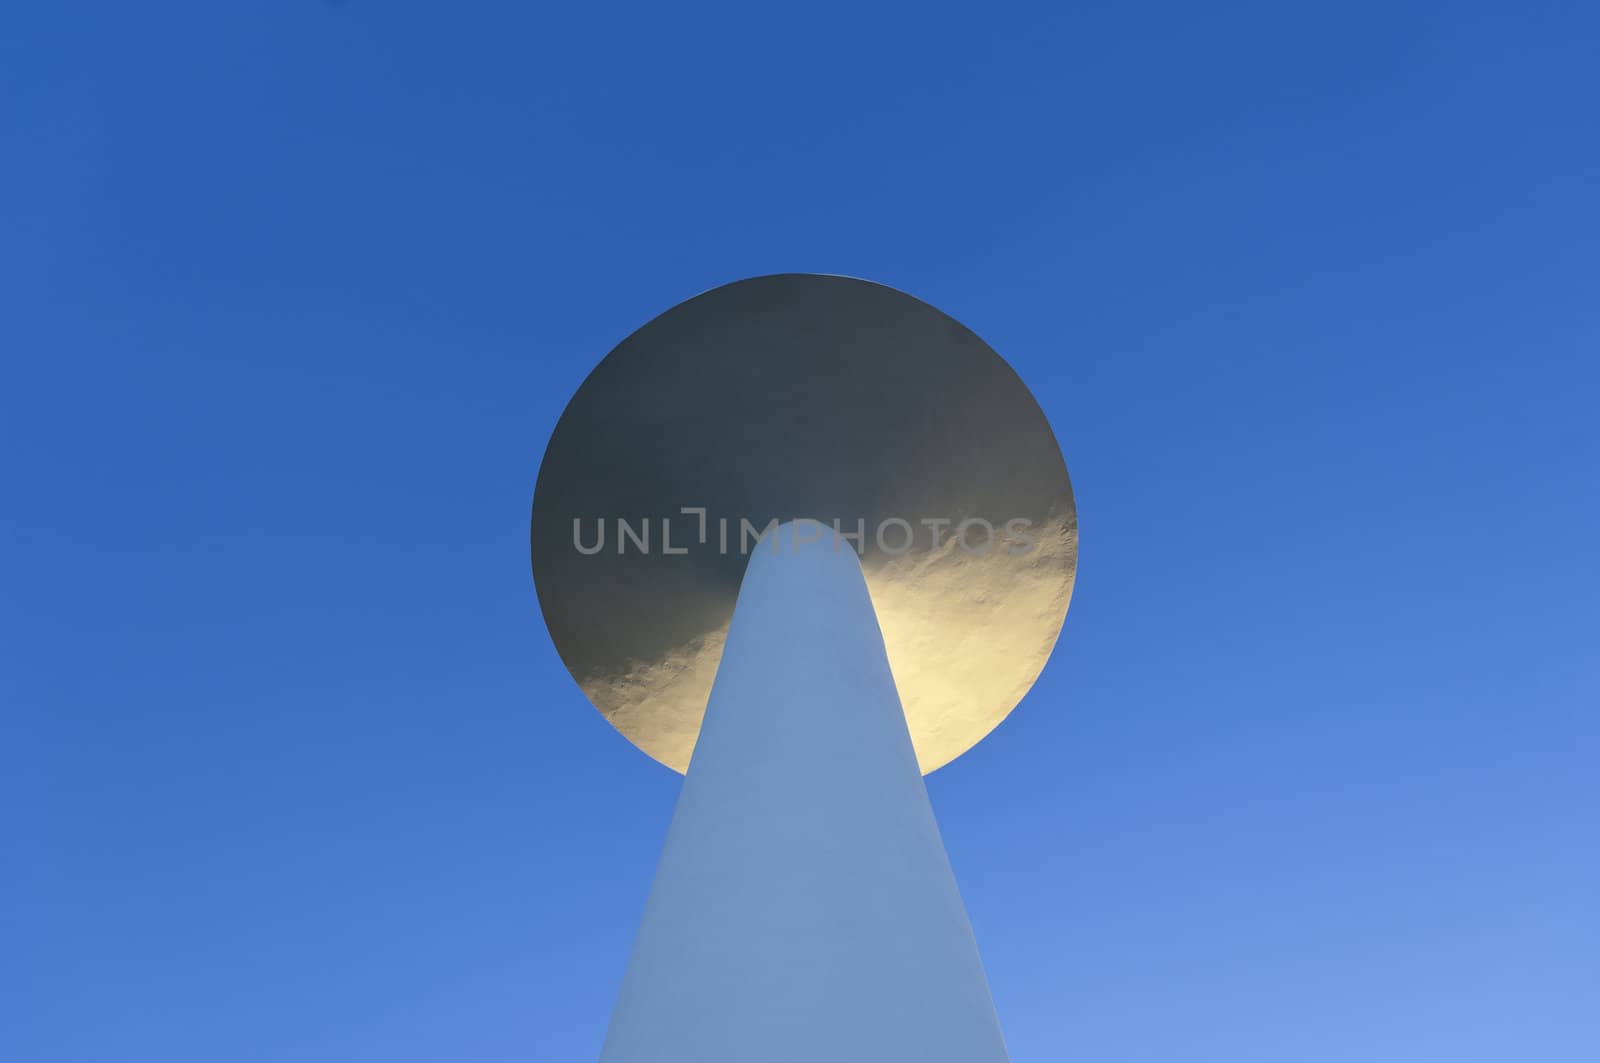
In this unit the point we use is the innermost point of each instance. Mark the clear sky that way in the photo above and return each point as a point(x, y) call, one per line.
point(292, 293)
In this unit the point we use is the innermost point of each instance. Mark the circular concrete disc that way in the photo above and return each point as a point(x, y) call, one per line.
point(804, 396)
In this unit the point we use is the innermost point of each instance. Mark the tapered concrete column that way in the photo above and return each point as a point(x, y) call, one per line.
point(804, 910)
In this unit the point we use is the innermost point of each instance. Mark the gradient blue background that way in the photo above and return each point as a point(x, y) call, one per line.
point(291, 295)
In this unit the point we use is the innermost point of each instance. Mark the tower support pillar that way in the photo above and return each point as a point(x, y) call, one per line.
point(804, 910)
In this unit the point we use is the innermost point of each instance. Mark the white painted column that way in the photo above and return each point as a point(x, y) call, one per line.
point(804, 910)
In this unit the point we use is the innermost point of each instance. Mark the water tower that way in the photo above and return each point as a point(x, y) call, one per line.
point(805, 539)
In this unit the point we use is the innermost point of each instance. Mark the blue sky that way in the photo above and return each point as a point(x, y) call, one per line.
point(291, 295)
